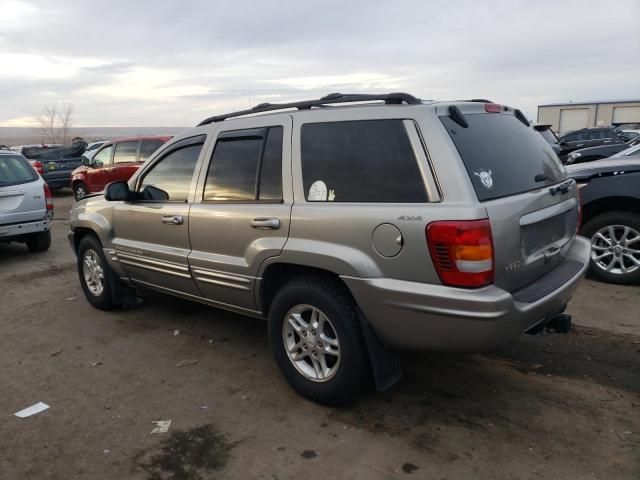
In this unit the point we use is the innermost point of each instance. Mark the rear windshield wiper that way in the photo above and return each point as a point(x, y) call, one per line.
point(541, 177)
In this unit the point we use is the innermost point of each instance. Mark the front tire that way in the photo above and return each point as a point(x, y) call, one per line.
point(79, 191)
point(101, 287)
point(615, 246)
point(317, 341)
point(39, 242)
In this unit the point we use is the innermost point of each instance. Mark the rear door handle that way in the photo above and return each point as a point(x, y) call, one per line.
point(172, 219)
point(266, 223)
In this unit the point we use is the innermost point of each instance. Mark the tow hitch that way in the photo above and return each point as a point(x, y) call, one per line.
point(558, 323)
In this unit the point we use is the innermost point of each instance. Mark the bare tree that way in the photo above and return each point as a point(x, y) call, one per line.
point(46, 121)
point(55, 122)
point(66, 120)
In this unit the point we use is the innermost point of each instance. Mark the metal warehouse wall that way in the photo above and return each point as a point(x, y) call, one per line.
point(591, 115)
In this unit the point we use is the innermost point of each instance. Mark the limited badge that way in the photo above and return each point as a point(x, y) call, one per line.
point(485, 178)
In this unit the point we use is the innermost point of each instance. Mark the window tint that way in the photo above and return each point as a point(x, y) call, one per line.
point(126, 152)
point(236, 160)
point(15, 170)
point(597, 135)
point(104, 155)
point(503, 156)
point(360, 161)
point(148, 147)
point(271, 174)
point(170, 178)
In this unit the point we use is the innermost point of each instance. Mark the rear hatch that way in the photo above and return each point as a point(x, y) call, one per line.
point(22, 196)
point(530, 203)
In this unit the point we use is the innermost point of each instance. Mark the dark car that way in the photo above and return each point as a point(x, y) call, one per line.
point(590, 154)
point(610, 198)
point(114, 161)
point(586, 137)
point(56, 164)
point(549, 135)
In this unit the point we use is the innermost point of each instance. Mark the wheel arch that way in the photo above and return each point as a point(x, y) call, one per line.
point(609, 204)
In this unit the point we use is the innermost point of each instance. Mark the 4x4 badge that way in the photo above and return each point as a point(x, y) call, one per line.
point(485, 178)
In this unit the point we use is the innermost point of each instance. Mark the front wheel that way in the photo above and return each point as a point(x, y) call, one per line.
point(317, 342)
point(99, 284)
point(615, 246)
point(79, 191)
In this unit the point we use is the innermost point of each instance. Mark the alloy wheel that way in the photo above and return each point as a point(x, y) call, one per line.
point(311, 343)
point(616, 249)
point(93, 272)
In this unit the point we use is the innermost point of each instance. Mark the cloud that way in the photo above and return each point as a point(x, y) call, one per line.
point(150, 63)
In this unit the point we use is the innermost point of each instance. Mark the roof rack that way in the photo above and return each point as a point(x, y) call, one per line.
point(388, 98)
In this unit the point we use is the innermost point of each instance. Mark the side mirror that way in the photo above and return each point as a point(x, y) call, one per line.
point(154, 194)
point(86, 161)
point(563, 144)
point(96, 163)
point(117, 191)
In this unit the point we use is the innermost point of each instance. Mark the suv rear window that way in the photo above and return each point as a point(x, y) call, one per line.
point(15, 170)
point(360, 161)
point(503, 156)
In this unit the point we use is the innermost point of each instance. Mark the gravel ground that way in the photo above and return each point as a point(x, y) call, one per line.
point(547, 406)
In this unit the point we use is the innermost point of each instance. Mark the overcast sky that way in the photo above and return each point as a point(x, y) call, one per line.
point(172, 63)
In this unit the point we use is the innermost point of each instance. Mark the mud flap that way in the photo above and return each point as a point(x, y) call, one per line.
point(386, 366)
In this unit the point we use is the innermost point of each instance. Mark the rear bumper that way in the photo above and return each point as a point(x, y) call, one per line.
point(10, 232)
point(418, 316)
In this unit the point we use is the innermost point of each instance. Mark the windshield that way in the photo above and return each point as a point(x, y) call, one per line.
point(15, 170)
point(503, 156)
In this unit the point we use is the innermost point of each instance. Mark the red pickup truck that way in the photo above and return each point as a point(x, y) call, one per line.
point(116, 160)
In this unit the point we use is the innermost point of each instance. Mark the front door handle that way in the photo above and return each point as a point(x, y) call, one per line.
point(266, 223)
point(172, 219)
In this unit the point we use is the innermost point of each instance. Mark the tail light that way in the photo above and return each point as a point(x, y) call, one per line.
point(38, 166)
point(492, 108)
point(48, 198)
point(462, 252)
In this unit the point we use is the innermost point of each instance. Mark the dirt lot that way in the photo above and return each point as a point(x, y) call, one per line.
point(550, 407)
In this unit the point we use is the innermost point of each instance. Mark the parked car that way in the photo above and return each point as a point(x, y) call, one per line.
point(92, 149)
point(461, 249)
point(26, 206)
point(115, 160)
point(29, 150)
point(610, 197)
point(590, 154)
point(587, 137)
point(56, 165)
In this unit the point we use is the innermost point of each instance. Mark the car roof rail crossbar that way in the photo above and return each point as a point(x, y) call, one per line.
point(388, 98)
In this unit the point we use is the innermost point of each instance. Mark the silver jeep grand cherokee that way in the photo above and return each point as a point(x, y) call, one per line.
point(355, 230)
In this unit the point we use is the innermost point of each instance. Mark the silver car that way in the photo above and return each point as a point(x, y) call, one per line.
point(26, 205)
point(356, 230)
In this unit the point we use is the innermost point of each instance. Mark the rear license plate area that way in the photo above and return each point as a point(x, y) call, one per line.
point(538, 236)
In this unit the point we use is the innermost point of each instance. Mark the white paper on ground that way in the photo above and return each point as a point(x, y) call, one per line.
point(162, 426)
point(32, 410)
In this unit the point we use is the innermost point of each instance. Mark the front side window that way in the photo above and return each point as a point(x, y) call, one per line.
point(103, 157)
point(360, 161)
point(169, 180)
point(126, 152)
point(246, 166)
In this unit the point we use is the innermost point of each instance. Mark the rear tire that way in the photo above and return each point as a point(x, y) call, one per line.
point(39, 242)
point(99, 284)
point(330, 365)
point(622, 250)
point(79, 191)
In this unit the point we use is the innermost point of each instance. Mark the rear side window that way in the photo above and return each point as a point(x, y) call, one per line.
point(126, 152)
point(246, 166)
point(503, 156)
point(15, 170)
point(170, 178)
point(148, 147)
point(360, 161)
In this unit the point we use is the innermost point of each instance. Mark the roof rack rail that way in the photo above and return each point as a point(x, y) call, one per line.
point(480, 100)
point(388, 98)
